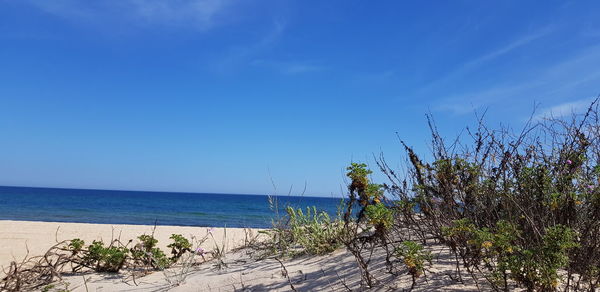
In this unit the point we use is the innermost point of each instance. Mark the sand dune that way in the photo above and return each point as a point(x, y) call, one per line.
point(17, 237)
point(333, 272)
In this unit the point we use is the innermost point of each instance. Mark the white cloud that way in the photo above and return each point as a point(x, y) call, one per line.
point(469, 102)
point(565, 109)
point(196, 14)
point(515, 44)
point(569, 79)
point(199, 13)
point(473, 64)
point(302, 68)
point(243, 54)
point(289, 67)
point(63, 8)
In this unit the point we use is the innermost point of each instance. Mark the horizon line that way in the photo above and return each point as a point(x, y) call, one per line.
point(174, 192)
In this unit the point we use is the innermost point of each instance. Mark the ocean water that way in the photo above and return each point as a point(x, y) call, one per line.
point(148, 208)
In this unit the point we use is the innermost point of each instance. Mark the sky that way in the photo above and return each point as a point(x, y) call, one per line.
point(260, 97)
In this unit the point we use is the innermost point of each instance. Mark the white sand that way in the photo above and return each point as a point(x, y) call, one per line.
point(16, 237)
point(320, 273)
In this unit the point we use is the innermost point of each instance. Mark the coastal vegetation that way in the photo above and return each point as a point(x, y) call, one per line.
point(515, 209)
point(303, 233)
point(75, 256)
point(509, 209)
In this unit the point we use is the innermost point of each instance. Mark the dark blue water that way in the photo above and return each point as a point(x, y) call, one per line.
point(148, 208)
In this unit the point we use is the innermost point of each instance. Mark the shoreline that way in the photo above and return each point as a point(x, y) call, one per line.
point(129, 224)
point(34, 238)
point(148, 208)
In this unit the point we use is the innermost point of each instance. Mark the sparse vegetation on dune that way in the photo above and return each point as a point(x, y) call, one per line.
point(75, 256)
point(303, 233)
point(516, 209)
point(511, 211)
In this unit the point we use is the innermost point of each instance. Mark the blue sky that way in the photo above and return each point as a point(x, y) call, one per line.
point(221, 95)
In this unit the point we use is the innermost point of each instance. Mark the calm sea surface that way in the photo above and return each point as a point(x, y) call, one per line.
point(133, 207)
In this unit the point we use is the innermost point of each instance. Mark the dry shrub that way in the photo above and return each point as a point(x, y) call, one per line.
point(519, 209)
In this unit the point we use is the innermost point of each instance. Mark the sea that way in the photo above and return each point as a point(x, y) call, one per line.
point(149, 208)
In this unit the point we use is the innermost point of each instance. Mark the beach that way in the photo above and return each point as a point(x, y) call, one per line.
point(18, 238)
point(242, 272)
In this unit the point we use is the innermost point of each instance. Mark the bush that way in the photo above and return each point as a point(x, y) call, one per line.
point(147, 254)
point(105, 259)
point(179, 246)
point(379, 216)
point(518, 208)
point(76, 245)
point(312, 233)
point(537, 268)
point(414, 256)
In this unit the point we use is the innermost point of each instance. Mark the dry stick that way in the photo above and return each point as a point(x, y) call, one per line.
point(284, 272)
point(154, 227)
point(343, 281)
point(85, 283)
point(33, 273)
point(56, 234)
point(352, 245)
point(242, 282)
point(457, 265)
point(326, 278)
point(133, 278)
point(273, 202)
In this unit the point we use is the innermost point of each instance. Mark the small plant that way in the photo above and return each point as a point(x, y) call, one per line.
point(105, 259)
point(41, 272)
point(314, 232)
point(374, 192)
point(66, 288)
point(148, 254)
point(148, 241)
point(219, 251)
point(310, 232)
point(179, 246)
point(369, 197)
point(76, 245)
point(508, 256)
point(358, 174)
point(415, 257)
point(537, 268)
point(181, 268)
point(379, 216)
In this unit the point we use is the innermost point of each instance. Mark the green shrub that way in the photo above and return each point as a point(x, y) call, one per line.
point(76, 245)
point(507, 255)
point(379, 216)
point(414, 256)
point(179, 246)
point(313, 233)
point(518, 208)
point(105, 259)
point(537, 268)
point(149, 254)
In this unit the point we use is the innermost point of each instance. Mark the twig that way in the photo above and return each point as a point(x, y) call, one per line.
point(285, 273)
